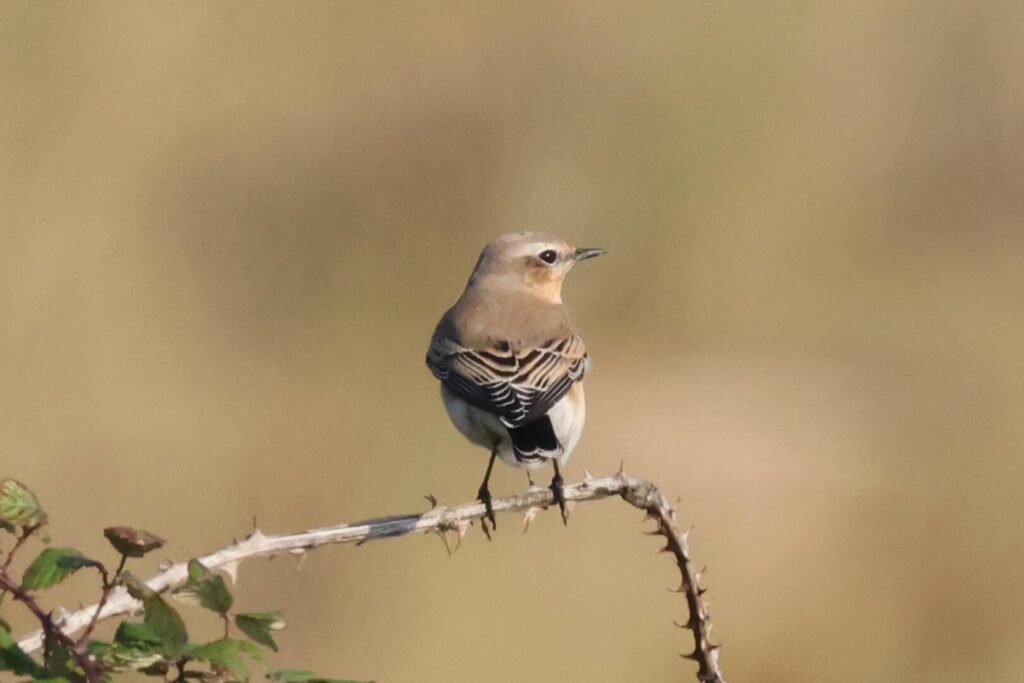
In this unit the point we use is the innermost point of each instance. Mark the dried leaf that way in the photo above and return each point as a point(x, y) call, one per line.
point(132, 542)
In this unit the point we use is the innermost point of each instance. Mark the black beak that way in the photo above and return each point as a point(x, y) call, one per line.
point(584, 253)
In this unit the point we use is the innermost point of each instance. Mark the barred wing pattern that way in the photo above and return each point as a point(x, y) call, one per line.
point(517, 386)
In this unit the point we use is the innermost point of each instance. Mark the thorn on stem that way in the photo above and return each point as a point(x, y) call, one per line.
point(444, 539)
point(231, 569)
point(529, 516)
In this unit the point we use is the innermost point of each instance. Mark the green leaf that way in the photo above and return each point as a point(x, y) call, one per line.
point(13, 658)
point(19, 507)
point(59, 661)
point(132, 542)
point(254, 651)
point(205, 588)
point(165, 622)
point(292, 675)
point(135, 633)
point(303, 676)
point(225, 653)
point(258, 625)
point(53, 566)
point(118, 656)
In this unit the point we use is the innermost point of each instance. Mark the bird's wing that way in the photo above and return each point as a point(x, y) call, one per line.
point(516, 385)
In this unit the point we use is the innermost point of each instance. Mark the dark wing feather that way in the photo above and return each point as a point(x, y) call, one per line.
point(516, 385)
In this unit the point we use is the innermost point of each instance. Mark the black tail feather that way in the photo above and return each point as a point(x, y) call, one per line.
point(535, 441)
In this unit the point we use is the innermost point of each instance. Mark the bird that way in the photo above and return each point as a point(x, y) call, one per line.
point(510, 363)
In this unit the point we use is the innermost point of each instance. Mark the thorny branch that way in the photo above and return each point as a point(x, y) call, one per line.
point(441, 520)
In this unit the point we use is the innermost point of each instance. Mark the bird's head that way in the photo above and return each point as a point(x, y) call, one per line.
point(534, 260)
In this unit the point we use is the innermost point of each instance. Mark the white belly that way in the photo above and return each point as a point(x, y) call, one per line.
point(485, 429)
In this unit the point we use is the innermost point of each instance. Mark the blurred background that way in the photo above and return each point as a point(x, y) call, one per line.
point(228, 229)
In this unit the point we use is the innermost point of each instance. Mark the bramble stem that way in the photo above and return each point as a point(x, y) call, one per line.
point(440, 519)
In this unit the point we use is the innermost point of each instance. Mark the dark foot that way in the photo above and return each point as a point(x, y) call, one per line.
point(484, 496)
point(559, 491)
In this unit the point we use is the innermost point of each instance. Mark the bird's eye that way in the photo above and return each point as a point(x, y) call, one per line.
point(548, 256)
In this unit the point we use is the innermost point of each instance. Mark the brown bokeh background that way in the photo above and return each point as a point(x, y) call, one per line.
point(227, 229)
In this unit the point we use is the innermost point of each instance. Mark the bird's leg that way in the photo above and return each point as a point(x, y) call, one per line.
point(484, 495)
point(559, 491)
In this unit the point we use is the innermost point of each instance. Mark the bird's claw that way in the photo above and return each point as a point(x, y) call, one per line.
point(484, 496)
point(558, 489)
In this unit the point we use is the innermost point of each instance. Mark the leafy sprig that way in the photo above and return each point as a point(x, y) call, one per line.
point(158, 645)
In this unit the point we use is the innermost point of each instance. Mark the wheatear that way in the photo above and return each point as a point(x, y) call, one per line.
point(511, 366)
